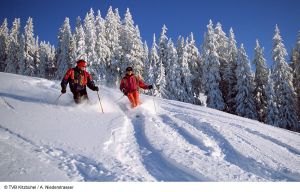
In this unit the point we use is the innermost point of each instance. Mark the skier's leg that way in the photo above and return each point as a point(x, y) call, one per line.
point(136, 98)
point(76, 96)
point(131, 99)
point(84, 95)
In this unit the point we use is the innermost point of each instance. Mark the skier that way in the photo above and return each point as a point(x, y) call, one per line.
point(130, 84)
point(78, 78)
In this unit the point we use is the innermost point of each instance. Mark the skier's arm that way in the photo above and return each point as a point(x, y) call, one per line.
point(91, 83)
point(122, 86)
point(143, 85)
point(65, 81)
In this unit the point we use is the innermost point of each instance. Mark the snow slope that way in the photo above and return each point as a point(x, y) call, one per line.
point(45, 140)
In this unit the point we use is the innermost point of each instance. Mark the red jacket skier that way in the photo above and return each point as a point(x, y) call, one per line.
point(129, 86)
point(78, 78)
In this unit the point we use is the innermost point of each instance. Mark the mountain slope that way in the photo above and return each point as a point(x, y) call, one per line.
point(161, 140)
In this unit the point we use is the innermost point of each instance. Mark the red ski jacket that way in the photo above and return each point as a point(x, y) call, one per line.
point(77, 79)
point(131, 83)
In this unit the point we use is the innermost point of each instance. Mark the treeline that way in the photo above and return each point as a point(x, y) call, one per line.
point(179, 71)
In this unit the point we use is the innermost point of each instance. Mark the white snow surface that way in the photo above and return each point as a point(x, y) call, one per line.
point(160, 140)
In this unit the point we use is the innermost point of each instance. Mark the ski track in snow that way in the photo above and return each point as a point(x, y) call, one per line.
point(162, 168)
point(193, 158)
point(121, 150)
point(169, 164)
point(158, 166)
point(77, 167)
point(8, 105)
point(267, 137)
point(123, 157)
point(233, 156)
point(203, 142)
point(222, 119)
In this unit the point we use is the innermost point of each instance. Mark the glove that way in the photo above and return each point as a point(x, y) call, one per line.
point(150, 86)
point(63, 90)
point(124, 91)
point(96, 88)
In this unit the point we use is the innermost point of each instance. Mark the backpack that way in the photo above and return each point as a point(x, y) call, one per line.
point(78, 78)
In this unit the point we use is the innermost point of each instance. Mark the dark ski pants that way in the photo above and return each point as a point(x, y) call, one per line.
point(80, 96)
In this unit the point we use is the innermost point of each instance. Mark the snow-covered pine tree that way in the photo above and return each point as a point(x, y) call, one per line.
point(112, 35)
point(186, 77)
point(30, 48)
point(163, 46)
point(118, 51)
point(78, 22)
point(194, 64)
point(46, 60)
point(21, 56)
point(90, 42)
point(180, 46)
point(36, 58)
point(132, 46)
point(101, 48)
point(118, 19)
point(13, 48)
point(222, 46)
point(245, 85)
point(174, 90)
point(51, 68)
point(137, 52)
point(211, 70)
point(272, 114)
point(160, 82)
point(205, 52)
point(64, 52)
point(261, 81)
point(43, 59)
point(4, 43)
point(78, 44)
point(72, 51)
point(295, 64)
point(79, 38)
point(283, 85)
point(148, 74)
point(154, 62)
point(177, 71)
point(222, 50)
point(229, 74)
point(126, 41)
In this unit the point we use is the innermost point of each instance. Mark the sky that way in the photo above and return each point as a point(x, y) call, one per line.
point(250, 20)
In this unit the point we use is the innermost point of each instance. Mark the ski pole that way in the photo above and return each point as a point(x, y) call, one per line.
point(100, 101)
point(154, 101)
point(154, 105)
point(56, 101)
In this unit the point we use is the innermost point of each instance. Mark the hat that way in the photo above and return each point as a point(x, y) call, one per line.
point(81, 63)
point(129, 69)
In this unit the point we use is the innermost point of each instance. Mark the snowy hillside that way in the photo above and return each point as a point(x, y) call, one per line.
point(44, 141)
